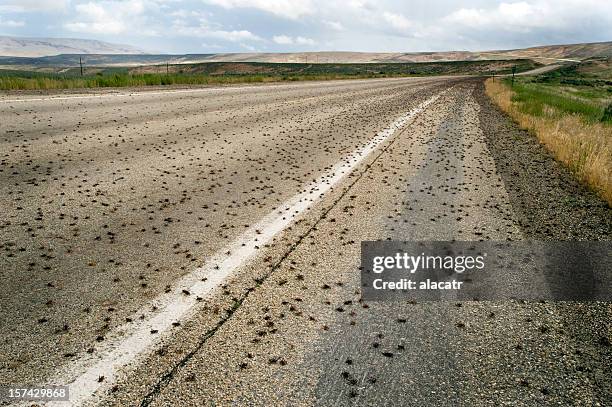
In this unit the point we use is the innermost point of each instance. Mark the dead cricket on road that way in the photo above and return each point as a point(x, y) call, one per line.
point(274, 204)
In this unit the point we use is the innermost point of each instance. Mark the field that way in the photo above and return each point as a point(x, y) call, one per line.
point(570, 110)
point(244, 72)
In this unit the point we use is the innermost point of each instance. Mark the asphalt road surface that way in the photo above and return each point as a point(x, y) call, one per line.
point(201, 247)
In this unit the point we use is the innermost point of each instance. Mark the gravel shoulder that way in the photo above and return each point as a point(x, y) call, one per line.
point(550, 204)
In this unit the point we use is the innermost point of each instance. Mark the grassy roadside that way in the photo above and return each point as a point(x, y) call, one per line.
point(574, 123)
point(51, 81)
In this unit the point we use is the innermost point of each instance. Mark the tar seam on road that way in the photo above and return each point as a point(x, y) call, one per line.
point(167, 377)
point(131, 341)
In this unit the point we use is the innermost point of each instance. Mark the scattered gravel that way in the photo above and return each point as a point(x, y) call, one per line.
point(549, 202)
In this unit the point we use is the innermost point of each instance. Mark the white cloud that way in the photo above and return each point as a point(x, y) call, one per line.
point(131, 17)
point(182, 13)
point(510, 14)
point(28, 6)
point(305, 41)
point(283, 8)
point(334, 25)
point(11, 23)
point(204, 30)
point(211, 46)
point(282, 39)
point(526, 16)
point(287, 40)
point(398, 21)
point(234, 35)
point(107, 17)
point(248, 47)
point(352, 25)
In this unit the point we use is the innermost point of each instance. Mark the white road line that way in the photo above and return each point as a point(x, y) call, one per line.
point(145, 92)
point(133, 340)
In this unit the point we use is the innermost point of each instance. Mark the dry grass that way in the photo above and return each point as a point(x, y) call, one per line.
point(41, 81)
point(586, 148)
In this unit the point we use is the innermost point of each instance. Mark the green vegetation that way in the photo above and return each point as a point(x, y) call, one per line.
point(592, 72)
point(305, 69)
point(52, 81)
point(244, 72)
point(607, 116)
point(573, 89)
point(570, 111)
point(540, 100)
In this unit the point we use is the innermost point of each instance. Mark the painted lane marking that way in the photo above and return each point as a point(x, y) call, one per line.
point(133, 340)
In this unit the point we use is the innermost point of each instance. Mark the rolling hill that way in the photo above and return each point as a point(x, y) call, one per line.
point(40, 47)
point(41, 52)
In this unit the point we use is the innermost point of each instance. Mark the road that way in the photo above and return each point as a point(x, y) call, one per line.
point(201, 247)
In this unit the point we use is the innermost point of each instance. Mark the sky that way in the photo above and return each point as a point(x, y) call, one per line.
point(213, 26)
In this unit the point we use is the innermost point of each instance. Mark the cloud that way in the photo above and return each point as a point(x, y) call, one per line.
point(107, 17)
point(204, 30)
point(114, 17)
point(248, 47)
point(182, 13)
point(29, 6)
point(282, 39)
point(11, 23)
point(305, 41)
point(523, 16)
point(234, 36)
point(398, 21)
point(287, 40)
point(334, 25)
point(211, 46)
point(283, 8)
point(351, 25)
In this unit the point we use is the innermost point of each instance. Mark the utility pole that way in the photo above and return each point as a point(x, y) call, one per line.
point(167, 70)
point(81, 65)
point(513, 72)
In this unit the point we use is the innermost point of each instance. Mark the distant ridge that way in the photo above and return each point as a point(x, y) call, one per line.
point(565, 51)
point(66, 52)
point(39, 47)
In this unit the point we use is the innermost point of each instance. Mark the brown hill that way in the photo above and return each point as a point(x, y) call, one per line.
point(544, 54)
point(96, 53)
